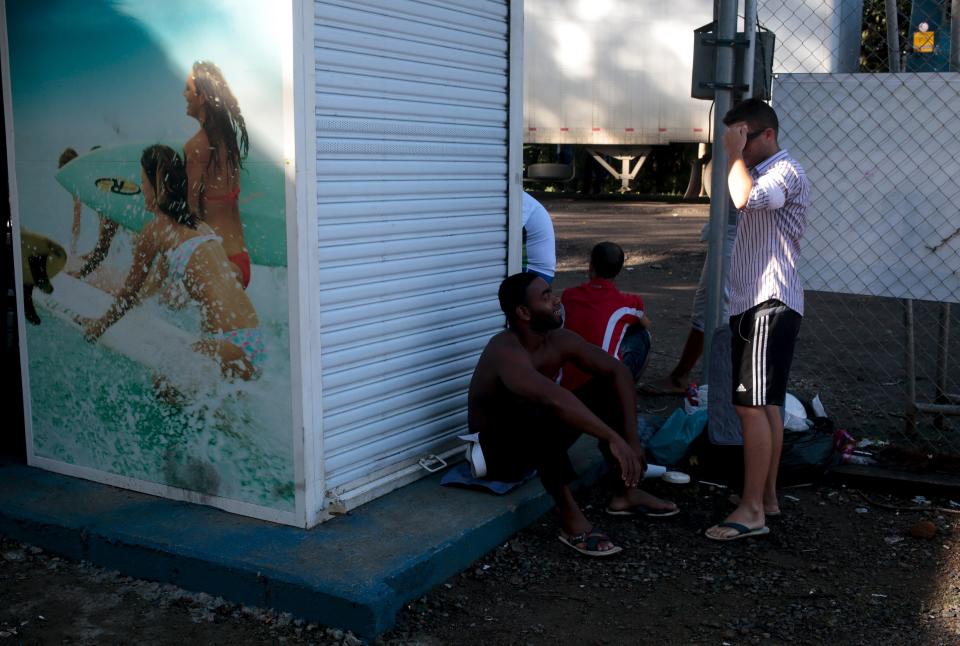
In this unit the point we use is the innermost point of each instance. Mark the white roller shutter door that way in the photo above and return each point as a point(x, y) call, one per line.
point(412, 195)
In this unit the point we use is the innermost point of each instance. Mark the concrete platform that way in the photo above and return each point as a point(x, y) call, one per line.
point(354, 572)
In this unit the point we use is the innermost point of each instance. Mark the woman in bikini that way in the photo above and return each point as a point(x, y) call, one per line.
point(214, 158)
point(195, 257)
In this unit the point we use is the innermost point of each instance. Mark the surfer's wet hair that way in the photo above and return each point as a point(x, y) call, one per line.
point(165, 171)
point(222, 120)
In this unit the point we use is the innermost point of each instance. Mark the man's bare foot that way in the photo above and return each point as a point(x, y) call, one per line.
point(769, 508)
point(576, 530)
point(752, 520)
point(665, 385)
point(636, 502)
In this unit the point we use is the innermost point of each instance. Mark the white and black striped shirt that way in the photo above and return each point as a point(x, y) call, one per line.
point(765, 254)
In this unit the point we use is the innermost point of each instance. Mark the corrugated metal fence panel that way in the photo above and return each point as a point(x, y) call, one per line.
point(412, 115)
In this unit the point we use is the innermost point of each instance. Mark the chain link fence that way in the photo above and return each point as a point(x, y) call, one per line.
point(868, 93)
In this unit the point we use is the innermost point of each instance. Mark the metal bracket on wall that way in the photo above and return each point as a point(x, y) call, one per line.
point(432, 463)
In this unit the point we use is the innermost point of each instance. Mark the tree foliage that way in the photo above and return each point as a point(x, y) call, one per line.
point(873, 42)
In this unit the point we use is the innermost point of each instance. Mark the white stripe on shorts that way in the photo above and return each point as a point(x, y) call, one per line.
point(759, 359)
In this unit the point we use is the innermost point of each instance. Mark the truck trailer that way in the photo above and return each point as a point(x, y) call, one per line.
point(614, 76)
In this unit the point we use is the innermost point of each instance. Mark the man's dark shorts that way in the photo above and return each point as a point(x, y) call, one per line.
point(763, 339)
point(527, 436)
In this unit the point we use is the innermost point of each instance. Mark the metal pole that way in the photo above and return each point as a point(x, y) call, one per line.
point(955, 36)
point(893, 36)
point(911, 425)
point(726, 19)
point(750, 31)
point(940, 394)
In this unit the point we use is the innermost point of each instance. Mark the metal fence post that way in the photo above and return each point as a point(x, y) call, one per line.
point(955, 36)
point(750, 31)
point(911, 370)
point(893, 36)
point(725, 36)
point(943, 341)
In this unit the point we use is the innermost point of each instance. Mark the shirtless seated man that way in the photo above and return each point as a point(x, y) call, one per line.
point(526, 421)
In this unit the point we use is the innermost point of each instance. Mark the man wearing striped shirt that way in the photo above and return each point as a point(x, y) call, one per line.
point(766, 301)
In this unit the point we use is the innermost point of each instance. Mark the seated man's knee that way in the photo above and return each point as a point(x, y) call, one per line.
point(635, 350)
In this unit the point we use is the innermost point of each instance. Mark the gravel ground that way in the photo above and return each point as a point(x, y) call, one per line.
point(836, 569)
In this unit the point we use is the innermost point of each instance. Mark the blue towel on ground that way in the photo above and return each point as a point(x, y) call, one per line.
point(459, 476)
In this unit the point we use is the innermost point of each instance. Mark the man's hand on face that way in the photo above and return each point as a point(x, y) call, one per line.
point(735, 138)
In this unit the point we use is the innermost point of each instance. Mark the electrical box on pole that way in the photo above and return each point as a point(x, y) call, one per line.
point(704, 63)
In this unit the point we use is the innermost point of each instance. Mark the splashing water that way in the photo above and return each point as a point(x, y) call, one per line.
point(95, 408)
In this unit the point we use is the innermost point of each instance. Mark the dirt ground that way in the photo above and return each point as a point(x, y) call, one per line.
point(840, 566)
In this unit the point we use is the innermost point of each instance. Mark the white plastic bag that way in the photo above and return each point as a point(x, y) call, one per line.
point(795, 415)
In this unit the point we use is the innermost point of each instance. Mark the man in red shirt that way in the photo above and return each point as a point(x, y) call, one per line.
point(605, 316)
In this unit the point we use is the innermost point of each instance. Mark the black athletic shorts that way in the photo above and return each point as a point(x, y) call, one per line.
point(529, 436)
point(763, 338)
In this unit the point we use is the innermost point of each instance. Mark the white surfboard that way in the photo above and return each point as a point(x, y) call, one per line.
point(146, 339)
point(108, 181)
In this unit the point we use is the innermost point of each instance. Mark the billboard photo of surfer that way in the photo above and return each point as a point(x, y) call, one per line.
point(214, 158)
point(194, 257)
point(161, 357)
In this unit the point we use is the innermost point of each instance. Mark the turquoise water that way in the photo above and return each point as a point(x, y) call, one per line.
point(95, 408)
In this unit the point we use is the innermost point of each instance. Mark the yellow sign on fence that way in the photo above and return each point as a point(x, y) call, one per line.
point(923, 42)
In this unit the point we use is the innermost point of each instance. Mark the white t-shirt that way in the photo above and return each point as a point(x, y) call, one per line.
point(541, 245)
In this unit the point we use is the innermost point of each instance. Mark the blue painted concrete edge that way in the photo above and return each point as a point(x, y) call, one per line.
point(354, 572)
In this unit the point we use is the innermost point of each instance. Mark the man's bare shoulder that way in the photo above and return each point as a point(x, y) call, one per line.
point(507, 340)
point(503, 342)
point(502, 350)
point(565, 339)
point(506, 345)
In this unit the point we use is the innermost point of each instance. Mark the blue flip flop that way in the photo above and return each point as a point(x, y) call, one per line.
point(742, 531)
point(643, 510)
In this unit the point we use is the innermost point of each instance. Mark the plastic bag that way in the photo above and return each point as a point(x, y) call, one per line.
point(795, 415)
point(672, 441)
point(806, 456)
point(695, 399)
